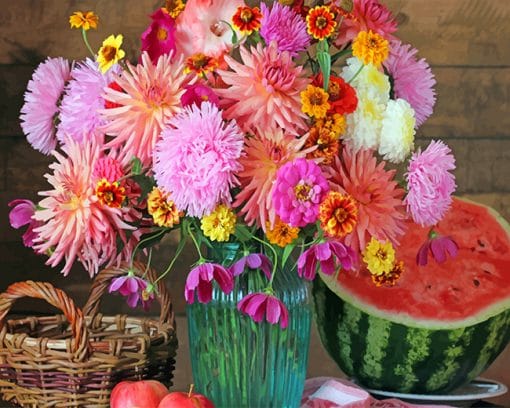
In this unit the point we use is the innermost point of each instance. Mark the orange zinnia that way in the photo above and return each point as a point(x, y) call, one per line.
point(338, 214)
point(110, 194)
point(281, 234)
point(200, 64)
point(247, 19)
point(320, 22)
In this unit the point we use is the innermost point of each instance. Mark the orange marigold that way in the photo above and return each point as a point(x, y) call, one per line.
point(247, 19)
point(338, 214)
point(281, 234)
point(320, 22)
point(370, 48)
point(163, 210)
point(200, 64)
point(85, 20)
point(326, 140)
point(391, 277)
point(314, 101)
point(110, 194)
point(174, 7)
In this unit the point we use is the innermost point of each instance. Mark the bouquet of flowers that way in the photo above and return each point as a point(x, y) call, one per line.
point(273, 126)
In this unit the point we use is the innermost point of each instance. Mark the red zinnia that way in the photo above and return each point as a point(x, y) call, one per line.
point(247, 19)
point(342, 96)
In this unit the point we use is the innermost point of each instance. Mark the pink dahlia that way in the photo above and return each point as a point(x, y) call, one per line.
point(74, 223)
point(22, 214)
point(284, 26)
point(151, 97)
point(264, 154)
point(264, 91)
point(83, 98)
point(366, 15)
point(159, 37)
point(197, 157)
point(200, 280)
point(40, 108)
point(262, 305)
point(381, 212)
point(299, 189)
point(430, 184)
point(412, 79)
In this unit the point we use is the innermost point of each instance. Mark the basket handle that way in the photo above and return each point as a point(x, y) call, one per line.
point(55, 297)
point(104, 278)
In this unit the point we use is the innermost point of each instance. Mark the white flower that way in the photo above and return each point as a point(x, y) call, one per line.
point(397, 132)
point(370, 80)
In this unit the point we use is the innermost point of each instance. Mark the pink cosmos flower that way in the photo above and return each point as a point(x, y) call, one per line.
point(430, 183)
point(366, 15)
point(132, 287)
point(412, 79)
point(197, 94)
point(325, 253)
point(22, 214)
point(40, 109)
point(253, 261)
point(262, 305)
point(159, 37)
point(201, 278)
point(439, 246)
point(284, 26)
point(197, 157)
point(299, 189)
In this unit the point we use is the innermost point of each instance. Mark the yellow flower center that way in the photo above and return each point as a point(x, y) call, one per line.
point(302, 191)
point(340, 214)
point(162, 34)
point(317, 98)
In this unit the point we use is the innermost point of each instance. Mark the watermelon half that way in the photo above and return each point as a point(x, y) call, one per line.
point(440, 326)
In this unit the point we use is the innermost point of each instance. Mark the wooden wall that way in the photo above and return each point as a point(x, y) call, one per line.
point(465, 41)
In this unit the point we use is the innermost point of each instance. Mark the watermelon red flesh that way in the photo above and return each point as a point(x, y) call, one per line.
point(461, 291)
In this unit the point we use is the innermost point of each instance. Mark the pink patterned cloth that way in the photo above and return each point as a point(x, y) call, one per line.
point(327, 392)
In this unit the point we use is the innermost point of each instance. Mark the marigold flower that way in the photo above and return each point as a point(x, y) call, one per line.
point(162, 208)
point(338, 214)
point(174, 7)
point(220, 224)
point(314, 101)
point(325, 135)
point(111, 194)
point(379, 257)
point(281, 234)
point(342, 96)
point(85, 20)
point(391, 277)
point(247, 19)
point(200, 64)
point(320, 22)
point(110, 52)
point(371, 48)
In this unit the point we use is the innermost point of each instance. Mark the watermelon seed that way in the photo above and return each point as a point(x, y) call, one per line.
point(476, 282)
point(487, 272)
point(429, 286)
point(481, 244)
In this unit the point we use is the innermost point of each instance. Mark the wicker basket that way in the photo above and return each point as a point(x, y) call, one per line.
point(75, 359)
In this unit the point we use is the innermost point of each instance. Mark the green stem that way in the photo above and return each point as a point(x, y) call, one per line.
point(161, 232)
point(178, 252)
point(148, 264)
point(275, 263)
point(86, 41)
point(197, 246)
point(356, 74)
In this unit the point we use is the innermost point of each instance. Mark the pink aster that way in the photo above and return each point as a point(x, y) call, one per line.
point(201, 278)
point(412, 79)
point(430, 184)
point(197, 158)
point(22, 214)
point(199, 93)
point(252, 261)
point(440, 247)
point(262, 305)
point(40, 108)
point(74, 224)
point(366, 15)
point(381, 213)
point(159, 37)
point(264, 90)
point(299, 189)
point(284, 26)
point(83, 98)
point(330, 256)
point(151, 96)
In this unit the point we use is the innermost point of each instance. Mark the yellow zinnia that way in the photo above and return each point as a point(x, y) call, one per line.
point(220, 224)
point(85, 20)
point(110, 52)
point(174, 7)
point(315, 101)
point(379, 257)
point(162, 208)
point(370, 48)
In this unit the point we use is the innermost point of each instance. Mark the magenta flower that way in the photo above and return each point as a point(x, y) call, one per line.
point(130, 286)
point(159, 37)
point(201, 278)
point(430, 183)
point(197, 94)
point(21, 214)
point(299, 189)
point(325, 253)
point(253, 261)
point(439, 246)
point(284, 26)
point(260, 305)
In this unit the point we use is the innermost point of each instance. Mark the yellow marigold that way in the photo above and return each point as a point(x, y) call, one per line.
point(163, 210)
point(86, 20)
point(390, 278)
point(314, 101)
point(200, 64)
point(174, 7)
point(281, 234)
point(370, 48)
point(110, 52)
point(335, 123)
point(220, 224)
point(338, 214)
point(379, 257)
point(320, 22)
point(110, 194)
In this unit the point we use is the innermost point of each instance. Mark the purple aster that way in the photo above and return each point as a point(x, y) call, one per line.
point(253, 261)
point(331, 255)
point(201, 278)
point(260, 305)
point(299, 189)
point(20, 215)
point(412, 79)
point(284, 26)
point(79, 117)
point(40, 109)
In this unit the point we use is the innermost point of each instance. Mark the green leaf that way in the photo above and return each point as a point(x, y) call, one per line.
point(287, 251)
point(339, 54)
point(152, 238)
point(146, 184)
point(136, 166)
point(242, 233)
point(324, 59)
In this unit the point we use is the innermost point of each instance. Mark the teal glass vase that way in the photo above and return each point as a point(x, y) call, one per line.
point(239, 363)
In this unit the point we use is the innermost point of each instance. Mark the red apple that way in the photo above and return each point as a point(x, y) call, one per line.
point(137, 394)
point(185, 400)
